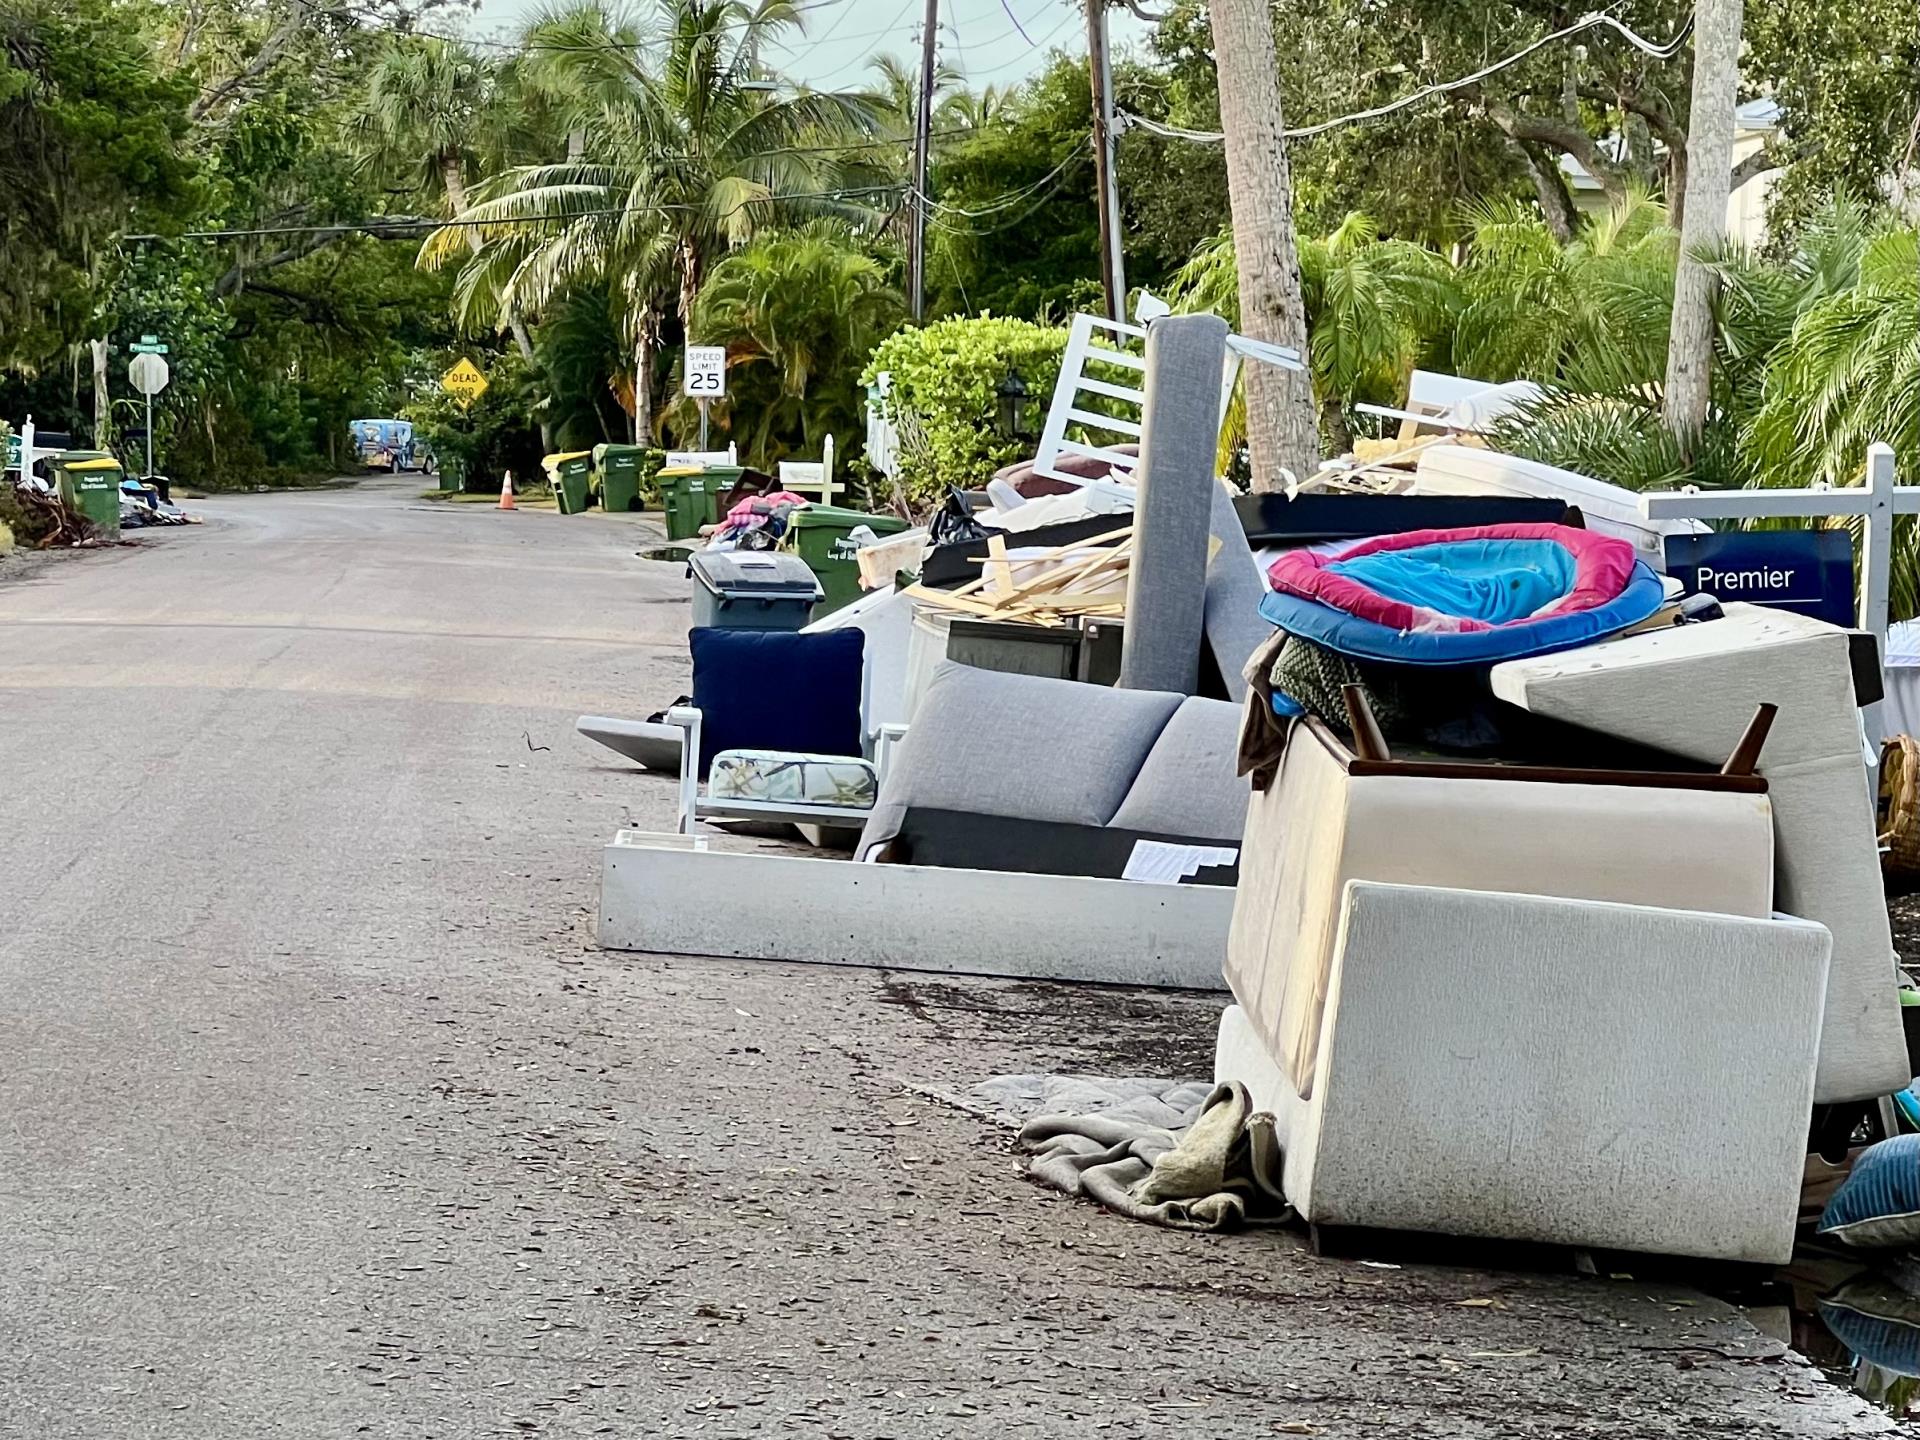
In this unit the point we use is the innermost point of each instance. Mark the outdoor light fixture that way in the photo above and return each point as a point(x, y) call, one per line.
point(1012, 393)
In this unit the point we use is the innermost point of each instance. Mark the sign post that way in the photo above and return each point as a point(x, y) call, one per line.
point(465, 383)
point(149, 375)
point(1876, 503)
point(704, 377)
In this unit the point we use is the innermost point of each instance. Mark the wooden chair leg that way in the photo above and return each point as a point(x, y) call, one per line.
point(1746, 755)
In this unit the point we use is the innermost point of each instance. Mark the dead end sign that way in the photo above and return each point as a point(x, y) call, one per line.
point(1809, 571)
point(464, 382)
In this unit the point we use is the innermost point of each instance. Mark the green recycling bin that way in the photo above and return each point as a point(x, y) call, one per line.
point(691, 496)
point(568, 474)
point(683, 498)
point(822, 535)
point(89, 481)
point(618, 467)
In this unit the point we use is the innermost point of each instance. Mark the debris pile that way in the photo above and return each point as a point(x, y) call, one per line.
point(40, 520)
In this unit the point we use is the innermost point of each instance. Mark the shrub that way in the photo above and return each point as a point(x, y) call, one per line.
point(944, 397)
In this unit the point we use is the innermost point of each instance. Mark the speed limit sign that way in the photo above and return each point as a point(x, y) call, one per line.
point(706, 372)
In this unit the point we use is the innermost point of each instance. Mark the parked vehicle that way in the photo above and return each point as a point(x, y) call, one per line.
point(389, 445)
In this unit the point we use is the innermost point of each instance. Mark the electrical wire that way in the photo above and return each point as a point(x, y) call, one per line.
point(1011, 199)
point(1664, 51)
point(413, 223)
point(1026, 57)
point(527, 44)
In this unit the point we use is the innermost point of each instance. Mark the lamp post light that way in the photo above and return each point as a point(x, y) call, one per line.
point(1012, 395)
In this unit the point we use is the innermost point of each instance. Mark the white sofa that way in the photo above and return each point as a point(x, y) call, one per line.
point(1328, 819)
point(1552, 1070)
point(1690, 690)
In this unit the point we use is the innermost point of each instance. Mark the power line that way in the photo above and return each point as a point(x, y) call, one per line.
point(1008, 201)
point(1023, 58)
point(1659, 51)
point(377, 224)
point(526, 43)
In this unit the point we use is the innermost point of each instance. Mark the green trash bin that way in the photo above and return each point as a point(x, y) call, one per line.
point(568, 474)
point(691, 496)
point(822, 535)
point(618, 467)
point(89, 481)
point(683, 498)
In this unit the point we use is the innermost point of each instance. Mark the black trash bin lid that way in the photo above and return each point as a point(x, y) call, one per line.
point(756, 574)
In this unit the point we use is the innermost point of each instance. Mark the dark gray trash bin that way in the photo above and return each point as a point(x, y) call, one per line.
point(752, 589)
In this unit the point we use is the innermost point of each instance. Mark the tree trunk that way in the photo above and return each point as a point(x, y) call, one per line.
point(689, 284)
point(1716, 74)
point(1333, 425)
point(1281, 422)
point(523, 342)
point(102, 401)
point(453, 175)
point(643, 384)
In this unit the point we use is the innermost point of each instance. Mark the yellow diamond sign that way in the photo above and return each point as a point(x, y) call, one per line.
point(464, 382)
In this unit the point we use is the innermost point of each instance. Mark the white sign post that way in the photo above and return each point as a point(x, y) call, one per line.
point(1876, 503)
point(149, 374)
point(704, 377)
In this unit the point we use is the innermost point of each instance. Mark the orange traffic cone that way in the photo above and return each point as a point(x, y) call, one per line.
point(506, 492)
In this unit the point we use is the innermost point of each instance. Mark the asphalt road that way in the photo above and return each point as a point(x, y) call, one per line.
point(321, 1116)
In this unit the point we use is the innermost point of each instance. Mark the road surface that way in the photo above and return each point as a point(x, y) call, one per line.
point(321, 1116)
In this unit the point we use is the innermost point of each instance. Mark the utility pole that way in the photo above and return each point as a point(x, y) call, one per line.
point(1113, 268)
point(922, 141)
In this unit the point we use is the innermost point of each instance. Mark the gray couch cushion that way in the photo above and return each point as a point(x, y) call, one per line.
point(1187, 785)
point(1021, 745)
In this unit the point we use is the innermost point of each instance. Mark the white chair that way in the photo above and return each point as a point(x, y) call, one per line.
point(812, 816)
point(812, 478)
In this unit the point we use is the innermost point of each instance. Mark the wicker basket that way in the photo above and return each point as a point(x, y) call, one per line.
point(1899, 806)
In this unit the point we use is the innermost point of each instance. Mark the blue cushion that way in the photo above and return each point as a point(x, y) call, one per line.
point(1878, 1323)
point(777, 690)
point(1878, 1205)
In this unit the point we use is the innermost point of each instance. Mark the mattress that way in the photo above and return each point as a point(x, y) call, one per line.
point(1316, 828)
point(1609, 509)
point(1692, 689)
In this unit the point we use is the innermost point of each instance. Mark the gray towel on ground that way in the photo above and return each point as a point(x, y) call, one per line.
point(1218, 1169)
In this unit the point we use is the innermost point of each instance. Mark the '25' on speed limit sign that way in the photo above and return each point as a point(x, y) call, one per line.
point(705, 372)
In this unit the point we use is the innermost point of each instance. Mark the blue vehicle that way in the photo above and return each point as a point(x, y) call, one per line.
point(389, 445)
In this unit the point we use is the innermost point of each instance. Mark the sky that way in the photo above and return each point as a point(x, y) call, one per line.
point(991, 42)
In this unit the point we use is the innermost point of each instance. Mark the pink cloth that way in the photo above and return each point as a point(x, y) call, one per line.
point(742, 513)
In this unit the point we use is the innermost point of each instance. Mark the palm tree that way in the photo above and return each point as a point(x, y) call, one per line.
point(1847, 375)
point(1590, 314)
point(426, 109)
point(689, 149)
point(798, 313)
point(1281, 428)
point(1375, 307)
point(432, 105)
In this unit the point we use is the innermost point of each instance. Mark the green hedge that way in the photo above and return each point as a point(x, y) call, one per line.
point(944, 397)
